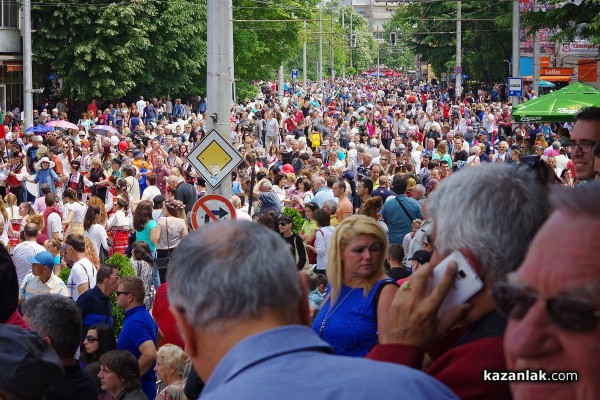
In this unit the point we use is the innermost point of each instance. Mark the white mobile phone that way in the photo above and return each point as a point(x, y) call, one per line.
point(466, 284)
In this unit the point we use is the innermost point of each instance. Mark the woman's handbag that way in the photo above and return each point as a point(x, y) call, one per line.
point(311, 255)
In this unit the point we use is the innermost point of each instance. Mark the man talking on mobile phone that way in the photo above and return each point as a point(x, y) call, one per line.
point(494, 240)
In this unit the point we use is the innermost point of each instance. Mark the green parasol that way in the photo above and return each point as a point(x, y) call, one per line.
point(559, 106)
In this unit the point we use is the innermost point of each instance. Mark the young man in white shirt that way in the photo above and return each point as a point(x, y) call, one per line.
point(54, 227)
point(83, 272)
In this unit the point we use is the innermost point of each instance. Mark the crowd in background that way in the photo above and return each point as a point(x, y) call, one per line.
point(344, 173)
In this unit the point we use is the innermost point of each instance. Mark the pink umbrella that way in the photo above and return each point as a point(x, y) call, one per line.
point(62, 124)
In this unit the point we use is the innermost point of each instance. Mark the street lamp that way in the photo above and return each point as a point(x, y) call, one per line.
point(509, 67)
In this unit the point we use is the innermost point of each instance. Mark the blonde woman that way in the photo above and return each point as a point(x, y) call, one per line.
point(5, 224)
point(91, 253)
point(441, 153)
point(172, 365)
point(359, 293)
point(12, 208)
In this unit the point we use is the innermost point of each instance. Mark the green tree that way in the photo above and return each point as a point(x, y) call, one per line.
point(108, 50)
point(428, 29)
point(570, 20)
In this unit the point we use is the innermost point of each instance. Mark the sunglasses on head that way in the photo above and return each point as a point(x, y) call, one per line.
point(565, 311)
point(90, 339)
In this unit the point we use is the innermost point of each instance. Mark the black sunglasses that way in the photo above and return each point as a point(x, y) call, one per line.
point(120, 293)
point(568, 313)
point(91, 339)
point(283, 223)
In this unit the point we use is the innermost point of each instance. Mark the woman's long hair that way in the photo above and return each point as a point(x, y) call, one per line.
point(106, 342)
point(91, 217)
point(142, 252)
point(142, 214)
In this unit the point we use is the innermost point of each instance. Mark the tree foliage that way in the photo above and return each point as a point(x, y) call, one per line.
point(570, 20)
point(428, 29)
point(108, 50)
point(261, 42)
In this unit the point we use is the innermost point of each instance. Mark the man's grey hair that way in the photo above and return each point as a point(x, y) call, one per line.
point(267, 185)
point(330, 206)
point(418, 188)
point(235, 201)
point(580, 201)
point(494, 210)
point(232, 271)
point(58, 318)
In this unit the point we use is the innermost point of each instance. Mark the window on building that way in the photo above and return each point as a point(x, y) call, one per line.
point(10, 14)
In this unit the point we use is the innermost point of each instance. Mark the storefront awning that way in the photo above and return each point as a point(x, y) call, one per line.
point(13, 66)
point(549, 78)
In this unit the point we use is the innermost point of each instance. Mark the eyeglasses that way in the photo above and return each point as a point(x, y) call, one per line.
point(90, 339)
point(568, 313)
point(585, 146)
point(120, 293)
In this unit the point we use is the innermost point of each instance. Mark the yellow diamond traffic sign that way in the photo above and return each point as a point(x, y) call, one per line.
point(214, 158)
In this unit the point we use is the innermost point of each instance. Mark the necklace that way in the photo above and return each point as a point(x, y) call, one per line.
point(332, 310)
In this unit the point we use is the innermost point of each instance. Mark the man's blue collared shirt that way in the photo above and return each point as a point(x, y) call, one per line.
point(293, 363)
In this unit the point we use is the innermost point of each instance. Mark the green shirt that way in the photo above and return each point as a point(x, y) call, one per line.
point(144, 236)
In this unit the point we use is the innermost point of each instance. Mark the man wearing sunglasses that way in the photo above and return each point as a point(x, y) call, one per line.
point(94, 305)
point(467, 340)
point(585, 134)
point(140, 334)
point(552, 302)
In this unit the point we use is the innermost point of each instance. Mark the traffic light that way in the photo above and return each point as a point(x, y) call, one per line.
point(392, 39)
point(353, 40)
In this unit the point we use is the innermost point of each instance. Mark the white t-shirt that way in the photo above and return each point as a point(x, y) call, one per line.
point(97, 235)
point(79, 210)
point(54, 225)
point(83, 271)
point(22, 252)
point(150, 192)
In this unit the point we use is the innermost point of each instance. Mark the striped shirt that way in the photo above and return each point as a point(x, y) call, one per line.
point(33, 286)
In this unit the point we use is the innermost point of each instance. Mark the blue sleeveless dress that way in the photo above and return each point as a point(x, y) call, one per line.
point(351, 326)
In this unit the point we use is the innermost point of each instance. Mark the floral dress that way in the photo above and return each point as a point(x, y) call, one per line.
point(144, 272)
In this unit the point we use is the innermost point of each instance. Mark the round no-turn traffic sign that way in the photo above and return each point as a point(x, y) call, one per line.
point(212, 208)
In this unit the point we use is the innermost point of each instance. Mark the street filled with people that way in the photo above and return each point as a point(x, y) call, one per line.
point(325, 284)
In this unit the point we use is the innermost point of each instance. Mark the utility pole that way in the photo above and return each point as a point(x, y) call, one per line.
point(331, 66)
point(219, 70)
point(351, 48)
point(377, 41)
point(343, 47)
point(536, 55)
point(320, 72)
point(304, 60)
point(516, 26)
point(27, 74)
point(280, 86)
point(458, 69)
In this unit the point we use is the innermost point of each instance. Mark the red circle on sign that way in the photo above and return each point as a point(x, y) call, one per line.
point(205, 199)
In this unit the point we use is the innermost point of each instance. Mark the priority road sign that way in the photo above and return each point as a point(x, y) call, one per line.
point(211, 208)
point(214, 158)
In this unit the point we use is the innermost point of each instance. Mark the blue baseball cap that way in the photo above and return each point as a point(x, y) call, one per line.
point(45, 258)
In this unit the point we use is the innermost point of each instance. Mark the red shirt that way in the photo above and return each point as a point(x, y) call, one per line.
point(164, 319)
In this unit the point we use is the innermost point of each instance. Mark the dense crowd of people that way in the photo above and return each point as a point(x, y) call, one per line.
point(370, 183)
